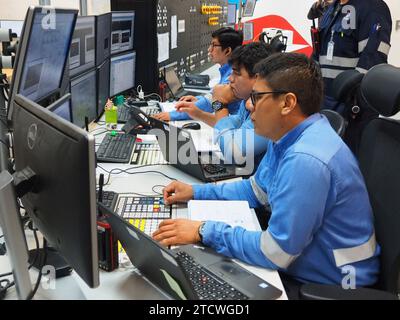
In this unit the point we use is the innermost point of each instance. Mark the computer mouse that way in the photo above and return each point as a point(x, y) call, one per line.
point(191, 126)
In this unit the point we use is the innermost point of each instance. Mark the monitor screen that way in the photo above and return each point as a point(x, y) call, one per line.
point(231, 13)
point(103, 86)
point(42, 53)
point(83, 100)
point(122, 73)
point(249, 7)
point(122, 31)
point(103, 35)
point(62, 203)
point(172, 80)
point(248, 31)
point(82, 53)
point(62, 107)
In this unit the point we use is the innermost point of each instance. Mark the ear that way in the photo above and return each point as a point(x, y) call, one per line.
point(228, 51)
point(288, 103)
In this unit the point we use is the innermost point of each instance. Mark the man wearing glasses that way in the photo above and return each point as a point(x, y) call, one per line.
point(321, 217)
point(235, 133)
point(224, 41)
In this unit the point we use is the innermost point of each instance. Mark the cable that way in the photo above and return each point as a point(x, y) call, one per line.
point(43, 263)
point(154, 94)
point(116, 171)
point(158, 185)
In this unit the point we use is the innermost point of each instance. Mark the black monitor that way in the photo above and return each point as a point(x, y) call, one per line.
point(103, 86)
point(42, 54)
point(231, 19)
point(84, 98)
point(62, 201)
point(122, 73)
point(82, 54)
point(122, 31)
point(62, 107)
point(174, 84)
point(103, 38)
point(249, 8)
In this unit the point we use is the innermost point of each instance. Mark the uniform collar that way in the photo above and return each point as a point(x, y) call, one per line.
point(224, 68)
point(291, 137)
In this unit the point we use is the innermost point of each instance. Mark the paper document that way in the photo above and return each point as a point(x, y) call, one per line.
point(168, 106)
point(234, 213)
point(204, 140)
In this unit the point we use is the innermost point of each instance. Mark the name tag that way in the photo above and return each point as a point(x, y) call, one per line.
point(331, 47)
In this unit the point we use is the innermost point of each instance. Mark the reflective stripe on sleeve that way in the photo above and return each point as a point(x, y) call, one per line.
point(262, 197)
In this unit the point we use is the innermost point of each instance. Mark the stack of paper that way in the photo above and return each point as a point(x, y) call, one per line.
point(234, 213)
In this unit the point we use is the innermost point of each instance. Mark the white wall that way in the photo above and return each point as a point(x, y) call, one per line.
point(394, 56)
point(16, 9)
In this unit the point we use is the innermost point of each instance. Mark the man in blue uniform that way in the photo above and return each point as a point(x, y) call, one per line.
point(321, 217)
point(224, 41)
point(235, 133)
point(354, 34)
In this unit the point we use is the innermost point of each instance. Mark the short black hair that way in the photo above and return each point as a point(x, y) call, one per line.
point(228, 37)
point(296, 73)
point(249, 55)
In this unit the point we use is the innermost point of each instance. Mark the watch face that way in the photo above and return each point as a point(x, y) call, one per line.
point(217, 105)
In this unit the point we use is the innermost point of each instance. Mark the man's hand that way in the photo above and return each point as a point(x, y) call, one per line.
point(177, 192)
point(249, 106)
point(163, 116)
point(190, 108)
point(188, 99)
point(177, 232)
point(223, 93)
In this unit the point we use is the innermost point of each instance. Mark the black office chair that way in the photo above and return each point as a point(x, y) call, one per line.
point(336, 120)
point(380, 165)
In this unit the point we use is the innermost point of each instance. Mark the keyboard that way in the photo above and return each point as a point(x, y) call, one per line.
point(146, 213)
point(116, 148)
point(109, 199)
point(206, 284)
point(147, 153)
point(151, 111)
point(214, 168)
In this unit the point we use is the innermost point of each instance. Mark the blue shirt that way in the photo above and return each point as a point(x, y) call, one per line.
point(239, 130)
point(321, 216)
point(205, 104)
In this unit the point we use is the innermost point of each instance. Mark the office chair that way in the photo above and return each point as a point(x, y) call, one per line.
point(336, 120)
point(379, 163)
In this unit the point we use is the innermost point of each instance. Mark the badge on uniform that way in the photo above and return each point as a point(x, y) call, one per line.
point(329, 53)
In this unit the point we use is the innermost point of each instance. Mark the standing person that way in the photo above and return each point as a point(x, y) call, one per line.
point(354, 34)
point(223, 42)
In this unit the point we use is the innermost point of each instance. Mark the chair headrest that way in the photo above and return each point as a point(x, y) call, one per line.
point(345, 84)
point(381, 89)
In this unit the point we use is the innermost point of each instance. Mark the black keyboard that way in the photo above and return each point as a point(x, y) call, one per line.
point(109, 199)
point(207, 285)
point(214, 168)
point(116, 148)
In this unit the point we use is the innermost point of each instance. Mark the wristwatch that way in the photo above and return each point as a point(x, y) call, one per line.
point(218, 105)
point(201, 230)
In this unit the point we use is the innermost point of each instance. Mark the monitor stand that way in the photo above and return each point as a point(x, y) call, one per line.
point(62, 268)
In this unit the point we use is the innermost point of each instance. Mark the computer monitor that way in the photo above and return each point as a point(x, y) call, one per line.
point(62, 107)
point(103, 38)
point(122, 73)
point(122, 31)
point(84, 98)
point(231, 19)
point(82, 55)
point(42, 53)
point(248, 31)
point(62, 201)
point(103, 86)
point(249, 8)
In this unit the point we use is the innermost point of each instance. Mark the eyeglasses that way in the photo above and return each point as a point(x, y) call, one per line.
point(255, 96)
point(213, 45)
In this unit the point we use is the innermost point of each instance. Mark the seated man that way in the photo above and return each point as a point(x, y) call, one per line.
point(224, 41)
point(235, 133)
point(321, 217)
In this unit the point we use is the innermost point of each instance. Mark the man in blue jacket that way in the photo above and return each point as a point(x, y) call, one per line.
point(321, 218)
point(223, 42)
point(235, 133)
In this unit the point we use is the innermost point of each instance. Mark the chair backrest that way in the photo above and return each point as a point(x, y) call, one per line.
point(336, 120)
point(379, 158)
